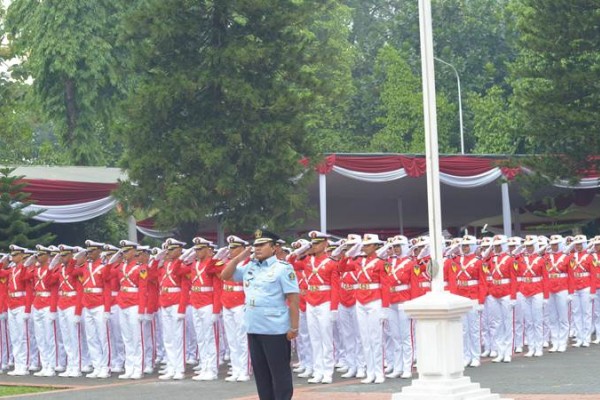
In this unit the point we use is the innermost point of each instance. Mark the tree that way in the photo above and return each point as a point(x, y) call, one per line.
point(223, 93)
point(402, 108)
point(556, 83)
point(68, 48)
point(15, 224)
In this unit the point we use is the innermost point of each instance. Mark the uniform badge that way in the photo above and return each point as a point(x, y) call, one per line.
point(80, 278)
point(143, 274)
point(258, 234)
point(2, 280)
point(572, 263)
point(516, 266)
point(548, 266)
point(387, 267)
point(417, 270)
point(247, 283)
point(454, 267)
point(486, 268)
point(292, 276)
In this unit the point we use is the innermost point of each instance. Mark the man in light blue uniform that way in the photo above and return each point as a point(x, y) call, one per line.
point(272, 298)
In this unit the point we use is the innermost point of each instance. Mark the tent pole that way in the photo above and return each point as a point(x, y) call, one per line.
point(400, 216)
point(323, 201)
point(506, 214)
point(132, 229)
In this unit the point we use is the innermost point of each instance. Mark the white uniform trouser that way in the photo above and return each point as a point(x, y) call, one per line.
point(61, 354)
point(320, 329)
point(237, 339)
point(4, 342)
point(487, 326)
point(132, 339)
point(371, 336)
point(519, 326)
point(173, 338)
point(19, 337)
point(206, 336)
point(96, 333)
point(191, 344)
point(402, 339)
point(71, 334)
point(534, 321)
point(581, 307)
point(160, 348)
point(303, 343)
point(117, 348)
point(148, 340)
point(558, 314)
point(472, 335)
point(349, 339)
point(45, 337)
point(596, 315)
point(501, 325)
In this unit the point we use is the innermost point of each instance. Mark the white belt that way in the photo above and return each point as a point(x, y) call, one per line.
point(170, 290)
point(43, 294)
point(502, 281)
point(318, 288)
point(557, 275)
point(17, 294)
point(424, 284)
point(194, 289)
point(113, 294)
point(368, 286)
point(130, 289)
point(233, 288)
point(349, 286)
point(67, 294)
point(93, 290)
point(471, 282)
point(582, 274)
point(399, 288)
point(529, 280)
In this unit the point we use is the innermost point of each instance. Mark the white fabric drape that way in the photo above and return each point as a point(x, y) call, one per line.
point(467, 182)
point(153, 233)
point(372, 177)
point(73, 212)
point(584, 183)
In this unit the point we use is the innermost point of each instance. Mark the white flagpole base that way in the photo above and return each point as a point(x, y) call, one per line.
point(440, 350)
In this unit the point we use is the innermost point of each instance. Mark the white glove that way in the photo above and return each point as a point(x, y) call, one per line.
point(26, 316)
point(354, 250)
point(52, 316)
point(180, 317)
point(4, 258)
point(382, 252)
point(334, 315)
point(214, 318)
point(115, 257)
point(512, 303)
point(161, 255)
point(303, 246)
point(186, 256)
point(569, 298)
point(384, 314)
point(80, 256)
point(76, 319)
point(222, 254)
point(55, 261)
point(30, 261)
point(338, 251)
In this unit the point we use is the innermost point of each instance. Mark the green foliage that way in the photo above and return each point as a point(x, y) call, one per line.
point(222, 100)
point(68, 49)
point(16, 226)
point(401, 96)
point(556, 83)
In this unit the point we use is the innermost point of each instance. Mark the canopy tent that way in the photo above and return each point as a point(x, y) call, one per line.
point(380, 193)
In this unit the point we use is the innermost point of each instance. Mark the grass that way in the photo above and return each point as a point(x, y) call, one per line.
point(12, 390)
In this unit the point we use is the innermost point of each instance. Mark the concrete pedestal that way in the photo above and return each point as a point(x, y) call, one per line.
point(440, 350)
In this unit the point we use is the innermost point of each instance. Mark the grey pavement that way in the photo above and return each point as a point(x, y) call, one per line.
point(556, 376)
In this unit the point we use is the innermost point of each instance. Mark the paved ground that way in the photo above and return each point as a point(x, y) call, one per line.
point(573, 375)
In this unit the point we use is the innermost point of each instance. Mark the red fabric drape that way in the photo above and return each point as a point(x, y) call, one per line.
point(59, 193)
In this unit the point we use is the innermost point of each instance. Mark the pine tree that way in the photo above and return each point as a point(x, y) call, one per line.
point(16, 226)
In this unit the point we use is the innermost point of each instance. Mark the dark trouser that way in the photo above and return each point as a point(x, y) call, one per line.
point(270, 356)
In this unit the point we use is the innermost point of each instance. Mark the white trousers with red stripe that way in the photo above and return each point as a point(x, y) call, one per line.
point(206, 336)
point(501, 325)
point(116, 346)
point(71, 335)
point(581, 308)
point(173, 331)
point(45, 337)
point(132, 339)
point(370, 328)
point(471, 336)
point(96, 332)
point(320, 330)
point(303, 343)
point(533, 313)
point(19, 337)
point(402, 339)
point(149, 342)
point(237, 339)
point(558, 314)
point(5, 352)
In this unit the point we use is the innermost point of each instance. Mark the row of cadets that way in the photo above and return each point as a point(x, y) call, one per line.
point(202, 290)
point(320, 273)
point(232, 299)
